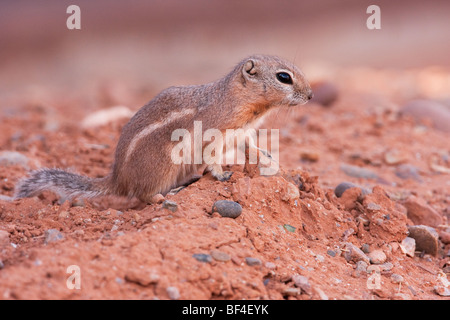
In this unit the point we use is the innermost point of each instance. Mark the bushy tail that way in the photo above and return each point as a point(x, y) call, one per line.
point(66, 184)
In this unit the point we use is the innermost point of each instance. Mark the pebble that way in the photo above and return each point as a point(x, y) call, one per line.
point(358, 172)
point(408, 246)
point(353, 253)
point(302, 282)
point(292, 192)
point(253, 261)
point(421, 213)
point(11, 158)
point(325, 93)
point(365, 248)
point(4, 238)
point(428, 110)
point(394, 157)
point(173, 292)
point(170, 205)
point(105, 116)
point(445, 237)
point(291, 292)
point(220, 255)
point(270, 265)
point(396, 278)
point(427, 239)
point(227, 208)
point(142, 277)
point(343, 186)
point(442, 291)
point(377, 257)
point(202, 257)
point(408, 171)
point(361, 269)
point(53, 235)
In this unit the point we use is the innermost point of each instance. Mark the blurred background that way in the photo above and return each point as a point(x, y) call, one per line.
point(127, 51)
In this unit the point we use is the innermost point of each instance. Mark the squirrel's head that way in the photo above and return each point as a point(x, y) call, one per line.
point(275, 80)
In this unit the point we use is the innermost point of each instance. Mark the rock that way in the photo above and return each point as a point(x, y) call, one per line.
point(358, 172)
point(442, 291)
point(291, 292)
point(421, 213)
point(170, 205)
point(158, 198)
point(365, 248)
point(227, 208)
point(202, 257)
point(253, 261)
point(427, 239)
point(5, 198)
point(302, 282)
point(325, 93)
point(292, 193)
point(105, 116)
point(408, 246)
point(394, 157)
point(270, 265)
point(343, 186)
point(11, 158)
point(445, 237)
point(361, 269)
point(396, 278)
point(4, 239)
point(353, 253)
point(349, 198)
point(142, 277)
point(427, 110)
point(377, 257)
point(53, 235)
point(310, 155)
point(407, 171)
point(173, 293)
point(220, 255)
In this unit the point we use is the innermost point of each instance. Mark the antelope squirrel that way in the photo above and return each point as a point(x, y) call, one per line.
point(143, 166)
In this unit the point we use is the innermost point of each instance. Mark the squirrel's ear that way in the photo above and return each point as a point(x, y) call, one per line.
point(249, 69)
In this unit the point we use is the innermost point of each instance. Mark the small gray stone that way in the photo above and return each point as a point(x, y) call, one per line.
point(202, 257)
point(253, 261)
point(53, 235)
point(11, 158)
point(365, 248)
point(227, 208)
point(396, 278)
point(331, 253)
point(358, 172)
point(427, 239)
point(170, 205)
point(173, 292)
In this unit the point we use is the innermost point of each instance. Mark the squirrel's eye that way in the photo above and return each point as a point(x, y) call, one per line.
point(284, 77)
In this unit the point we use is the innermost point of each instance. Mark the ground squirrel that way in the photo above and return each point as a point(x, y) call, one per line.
point(143, 166)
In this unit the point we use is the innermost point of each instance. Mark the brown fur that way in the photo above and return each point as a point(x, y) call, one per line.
point(143, 165)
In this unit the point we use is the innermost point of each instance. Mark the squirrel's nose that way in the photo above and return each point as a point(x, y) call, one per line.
point(310, 94)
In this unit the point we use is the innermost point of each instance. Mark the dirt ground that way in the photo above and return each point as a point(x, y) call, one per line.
point(295, 238)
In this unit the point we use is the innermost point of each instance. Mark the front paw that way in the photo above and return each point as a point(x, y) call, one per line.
point(225, 176)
